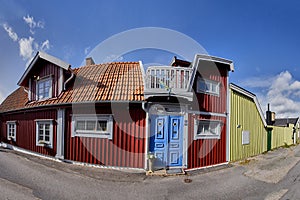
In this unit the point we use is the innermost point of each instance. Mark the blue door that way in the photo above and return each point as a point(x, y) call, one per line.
point(166, 140)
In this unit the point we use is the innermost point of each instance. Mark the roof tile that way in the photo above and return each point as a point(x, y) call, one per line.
point(118, 81)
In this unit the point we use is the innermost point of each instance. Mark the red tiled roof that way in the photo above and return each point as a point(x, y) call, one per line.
point(119, 81)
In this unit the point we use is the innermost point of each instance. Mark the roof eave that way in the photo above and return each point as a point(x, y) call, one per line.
point(45, 56)
point(215, 59)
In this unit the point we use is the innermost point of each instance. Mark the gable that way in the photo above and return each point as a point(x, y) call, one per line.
point(38, 58)
point(251, 96)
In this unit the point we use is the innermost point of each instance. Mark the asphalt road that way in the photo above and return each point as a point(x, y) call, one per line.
point(28, 177)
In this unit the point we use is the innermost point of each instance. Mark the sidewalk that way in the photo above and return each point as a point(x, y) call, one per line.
point(272, 166)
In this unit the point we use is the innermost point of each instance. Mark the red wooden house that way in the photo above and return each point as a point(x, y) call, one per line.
point(116, 115)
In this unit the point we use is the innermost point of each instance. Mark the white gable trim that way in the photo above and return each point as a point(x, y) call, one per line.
point(45, 56)
point(252, 96)
point(213, 59)
point(199, 57)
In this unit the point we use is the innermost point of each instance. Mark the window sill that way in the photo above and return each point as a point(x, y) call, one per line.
point(207, 137)
point(44, 144)
point(94, 135)
point(11, 138)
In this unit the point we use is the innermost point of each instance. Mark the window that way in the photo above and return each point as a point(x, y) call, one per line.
point(100, 126)
point(11, 130)
point(44, 133)
point(44, 89)
point(207, 129)
point(208, 86)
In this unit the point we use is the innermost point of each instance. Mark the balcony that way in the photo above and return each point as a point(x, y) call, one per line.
point(168, 81)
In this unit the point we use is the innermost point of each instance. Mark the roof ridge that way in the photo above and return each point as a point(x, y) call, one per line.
point(107, 63)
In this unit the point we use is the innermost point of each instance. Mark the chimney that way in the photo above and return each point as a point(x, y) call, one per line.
point(270, 116)
point(89, 61)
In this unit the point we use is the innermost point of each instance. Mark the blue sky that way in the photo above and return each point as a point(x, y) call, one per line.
point(262, 37)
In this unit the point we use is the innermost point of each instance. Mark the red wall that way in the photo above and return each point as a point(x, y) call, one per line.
point(205, 152)
point(26, 130)
point(126, 149)
point(211, 103)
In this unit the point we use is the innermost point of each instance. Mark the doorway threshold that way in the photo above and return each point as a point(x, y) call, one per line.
point(167, 172)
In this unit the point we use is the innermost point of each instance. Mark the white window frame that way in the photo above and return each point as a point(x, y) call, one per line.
point(11, 136)
point(209, 84)
point(108, 133)
point(44, 142)
point(207, 134)
point(38, 89)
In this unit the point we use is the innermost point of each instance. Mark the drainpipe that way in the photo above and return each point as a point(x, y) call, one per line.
point(69, 79)
point(144, 107)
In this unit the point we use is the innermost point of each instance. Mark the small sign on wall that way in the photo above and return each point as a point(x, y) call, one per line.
point(245, 137)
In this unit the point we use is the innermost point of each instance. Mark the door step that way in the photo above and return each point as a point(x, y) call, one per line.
point(166, 172)
point(175, 171)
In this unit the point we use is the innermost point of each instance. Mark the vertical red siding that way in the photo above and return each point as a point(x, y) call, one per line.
point(26, 130)
point(205, 152)
point(126, 149)
point(212, 103)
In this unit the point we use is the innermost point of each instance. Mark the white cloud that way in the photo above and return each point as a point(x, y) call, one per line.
point(26, 48)
point(257, 82)
point(13, 35)
point(281, 91)
point(86, 50)
point(28, 45)
point(113, 58)
point(33, 24)
point(45, 45)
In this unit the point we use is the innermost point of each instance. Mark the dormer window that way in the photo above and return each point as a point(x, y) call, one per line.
point(44, 88)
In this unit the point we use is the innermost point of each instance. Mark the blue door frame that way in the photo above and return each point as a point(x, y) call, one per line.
point(166, 140)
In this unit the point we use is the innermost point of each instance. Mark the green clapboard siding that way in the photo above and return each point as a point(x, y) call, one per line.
point(282, 136)
point(243, 112)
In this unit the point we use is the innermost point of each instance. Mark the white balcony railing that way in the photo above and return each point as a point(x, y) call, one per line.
point(169, 80)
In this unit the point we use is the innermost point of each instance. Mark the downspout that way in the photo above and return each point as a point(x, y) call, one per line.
point(228, 120)
point(69, 79)
point(144, 107)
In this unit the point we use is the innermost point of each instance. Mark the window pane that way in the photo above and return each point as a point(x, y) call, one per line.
point(44, 89)
point(202, 86)
point(47, 127)
point(90, 125)
point(47, 84)
point(47, 133)
point(80, 125)
point(41, 127)
point(207, 86)
point(101, 125)
point(214, 88)
point(47, 138)
point(41, 86)
point(41, 134)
